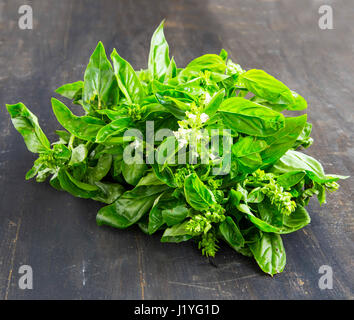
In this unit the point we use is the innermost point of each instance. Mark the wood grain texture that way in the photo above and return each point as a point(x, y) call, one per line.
point(57, 235)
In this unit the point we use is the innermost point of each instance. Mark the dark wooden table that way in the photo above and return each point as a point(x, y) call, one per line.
point(57, 235)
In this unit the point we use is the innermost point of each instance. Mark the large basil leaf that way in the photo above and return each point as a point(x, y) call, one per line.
point(250, 118)
point(269, 253)
point(295, 160)
point(197, 194)
point(159, 59)
point(26, 123)
point(130, 207)
point(99, 81)
point(128, 81)
point(270, 215)
point(267, 87)
point(85, 127)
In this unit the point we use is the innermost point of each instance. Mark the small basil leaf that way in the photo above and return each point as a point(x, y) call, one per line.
point(197, 194)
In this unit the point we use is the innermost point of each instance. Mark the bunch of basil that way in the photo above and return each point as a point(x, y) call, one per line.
point(268, 182)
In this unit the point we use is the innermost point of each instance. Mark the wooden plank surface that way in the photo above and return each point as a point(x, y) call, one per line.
point(56, 234)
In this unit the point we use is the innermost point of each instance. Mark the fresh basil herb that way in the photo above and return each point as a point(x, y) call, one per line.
point(261, 197)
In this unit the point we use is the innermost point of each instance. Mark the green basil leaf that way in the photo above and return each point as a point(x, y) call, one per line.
point(211, 62)
point(166, 152)
point(79, 154)
point(267, 87)
point(250, 118)
point(26, 123)
point(133, 172)
point(212, 107)
point(174, 214)
point(171, 71)
point(247, 153)
point(259, 223)
point(177, 233)
point(283, 140)
point(270, 214)
point(99, 81)
point(114, 128)
point(71, 90)
point(85, 127)
point(149, 179)
point(75, 187)
point(128, 81)
point(109, 192)
point(38, 164)
point(130, 207)
point(170, 106)
point(102, 168)
point(231, 233)
point(291, 178)
point(197, 194)
point(296, 220)
point(269, 253)
point(295, 160)
point(159, 59)
point(165, 175)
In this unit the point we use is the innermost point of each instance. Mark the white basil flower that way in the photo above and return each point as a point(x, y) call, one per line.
point(204, 117)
